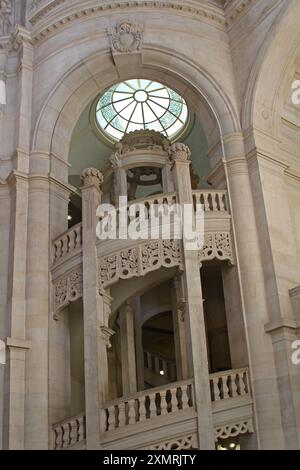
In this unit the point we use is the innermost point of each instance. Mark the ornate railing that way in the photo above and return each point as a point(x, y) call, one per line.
point(212, 200)
point(67, 243)
point(70, 432)
point(148, 405)
point(229, 384)
point(160, 366)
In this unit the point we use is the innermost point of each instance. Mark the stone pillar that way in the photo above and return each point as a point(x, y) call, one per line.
point(95, 311)
point(128, 348)
point(139, 350)
point(120, 178)
point(180, 155)
point(14, 399)
point(255, 307)
point(178, 307)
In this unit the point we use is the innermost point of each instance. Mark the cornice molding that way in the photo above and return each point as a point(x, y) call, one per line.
point(208, 11)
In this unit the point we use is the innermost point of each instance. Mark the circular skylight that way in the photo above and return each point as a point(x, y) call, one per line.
point(141, 104)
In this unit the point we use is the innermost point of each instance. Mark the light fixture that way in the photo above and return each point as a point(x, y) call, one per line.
point(232, 445)
point(69, 217)
point(162, 372)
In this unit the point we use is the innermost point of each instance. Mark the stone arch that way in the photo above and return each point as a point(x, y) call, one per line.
point(267, 83)
point(60, 113)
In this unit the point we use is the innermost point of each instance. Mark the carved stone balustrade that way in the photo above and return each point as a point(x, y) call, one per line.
point(69, 433)
point(134, 421)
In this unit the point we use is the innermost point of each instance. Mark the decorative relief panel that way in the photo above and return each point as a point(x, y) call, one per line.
point(183, 443)
point(217, 245)
point(233, 430)
point(126, 37)
point(6, 10)
point(66, 290)
point(134, 262)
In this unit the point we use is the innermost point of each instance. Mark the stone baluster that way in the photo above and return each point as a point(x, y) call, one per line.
point(131, 411)
point(174, 401)
point(111, 419)
point(234, 389)
point(142, 409)
point(216, 390)
point(152, 405)
point(185, 396)
point(225, 389)
point(163, 403)
point(122, 415)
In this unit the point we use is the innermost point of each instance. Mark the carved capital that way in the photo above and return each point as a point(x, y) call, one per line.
point(115, 161)
point(92, 177)
point(179, 152)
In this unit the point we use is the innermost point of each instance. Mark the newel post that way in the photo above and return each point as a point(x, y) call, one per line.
point(193, 312)
point(95, 311)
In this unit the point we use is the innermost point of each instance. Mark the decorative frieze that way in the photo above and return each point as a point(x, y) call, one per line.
point(140, 260)
point(67, 289)
point(181, 443)
point(233, 430)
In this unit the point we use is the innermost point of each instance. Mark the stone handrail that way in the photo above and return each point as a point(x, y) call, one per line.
point(69, 242)
point(69, 432)
point(158, 365)
point(147, 405)
point(212, 200)
point(229, 384)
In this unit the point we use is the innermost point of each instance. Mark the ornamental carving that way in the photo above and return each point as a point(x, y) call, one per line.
point(233, 430)
point(216, 245)
point(139, 261)
point(126, 37)
point(66, 290)
point(140, 139)
point(179, 152)
point(92, 177)
point(182, 443)
point(5, 17)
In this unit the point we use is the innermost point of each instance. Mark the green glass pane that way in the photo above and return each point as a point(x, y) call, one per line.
point(174, 95)
point(167, 120)
point(105, 99)
point(108, 112)
point(119, 123)
point(175, 108)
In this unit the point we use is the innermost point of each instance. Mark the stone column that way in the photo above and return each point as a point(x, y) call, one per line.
point(178, 307)
point(180, 155)
point(253, 287)
point(128, 348)
point(120, 178)
point(139, 351)
point(95, 311)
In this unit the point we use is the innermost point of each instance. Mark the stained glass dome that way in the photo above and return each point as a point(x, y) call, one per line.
point(141, 104)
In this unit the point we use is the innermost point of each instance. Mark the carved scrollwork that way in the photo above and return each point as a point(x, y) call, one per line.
point(216, 245)
point(233, 430)
point(139, 261)
point(66, 290)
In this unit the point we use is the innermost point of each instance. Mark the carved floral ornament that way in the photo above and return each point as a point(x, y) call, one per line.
point(92, 177)
point(126, 37)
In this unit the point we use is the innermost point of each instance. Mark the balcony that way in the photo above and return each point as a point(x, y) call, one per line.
point(143, 420)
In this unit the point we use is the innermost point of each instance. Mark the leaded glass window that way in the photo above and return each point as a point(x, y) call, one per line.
point(141, 104)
